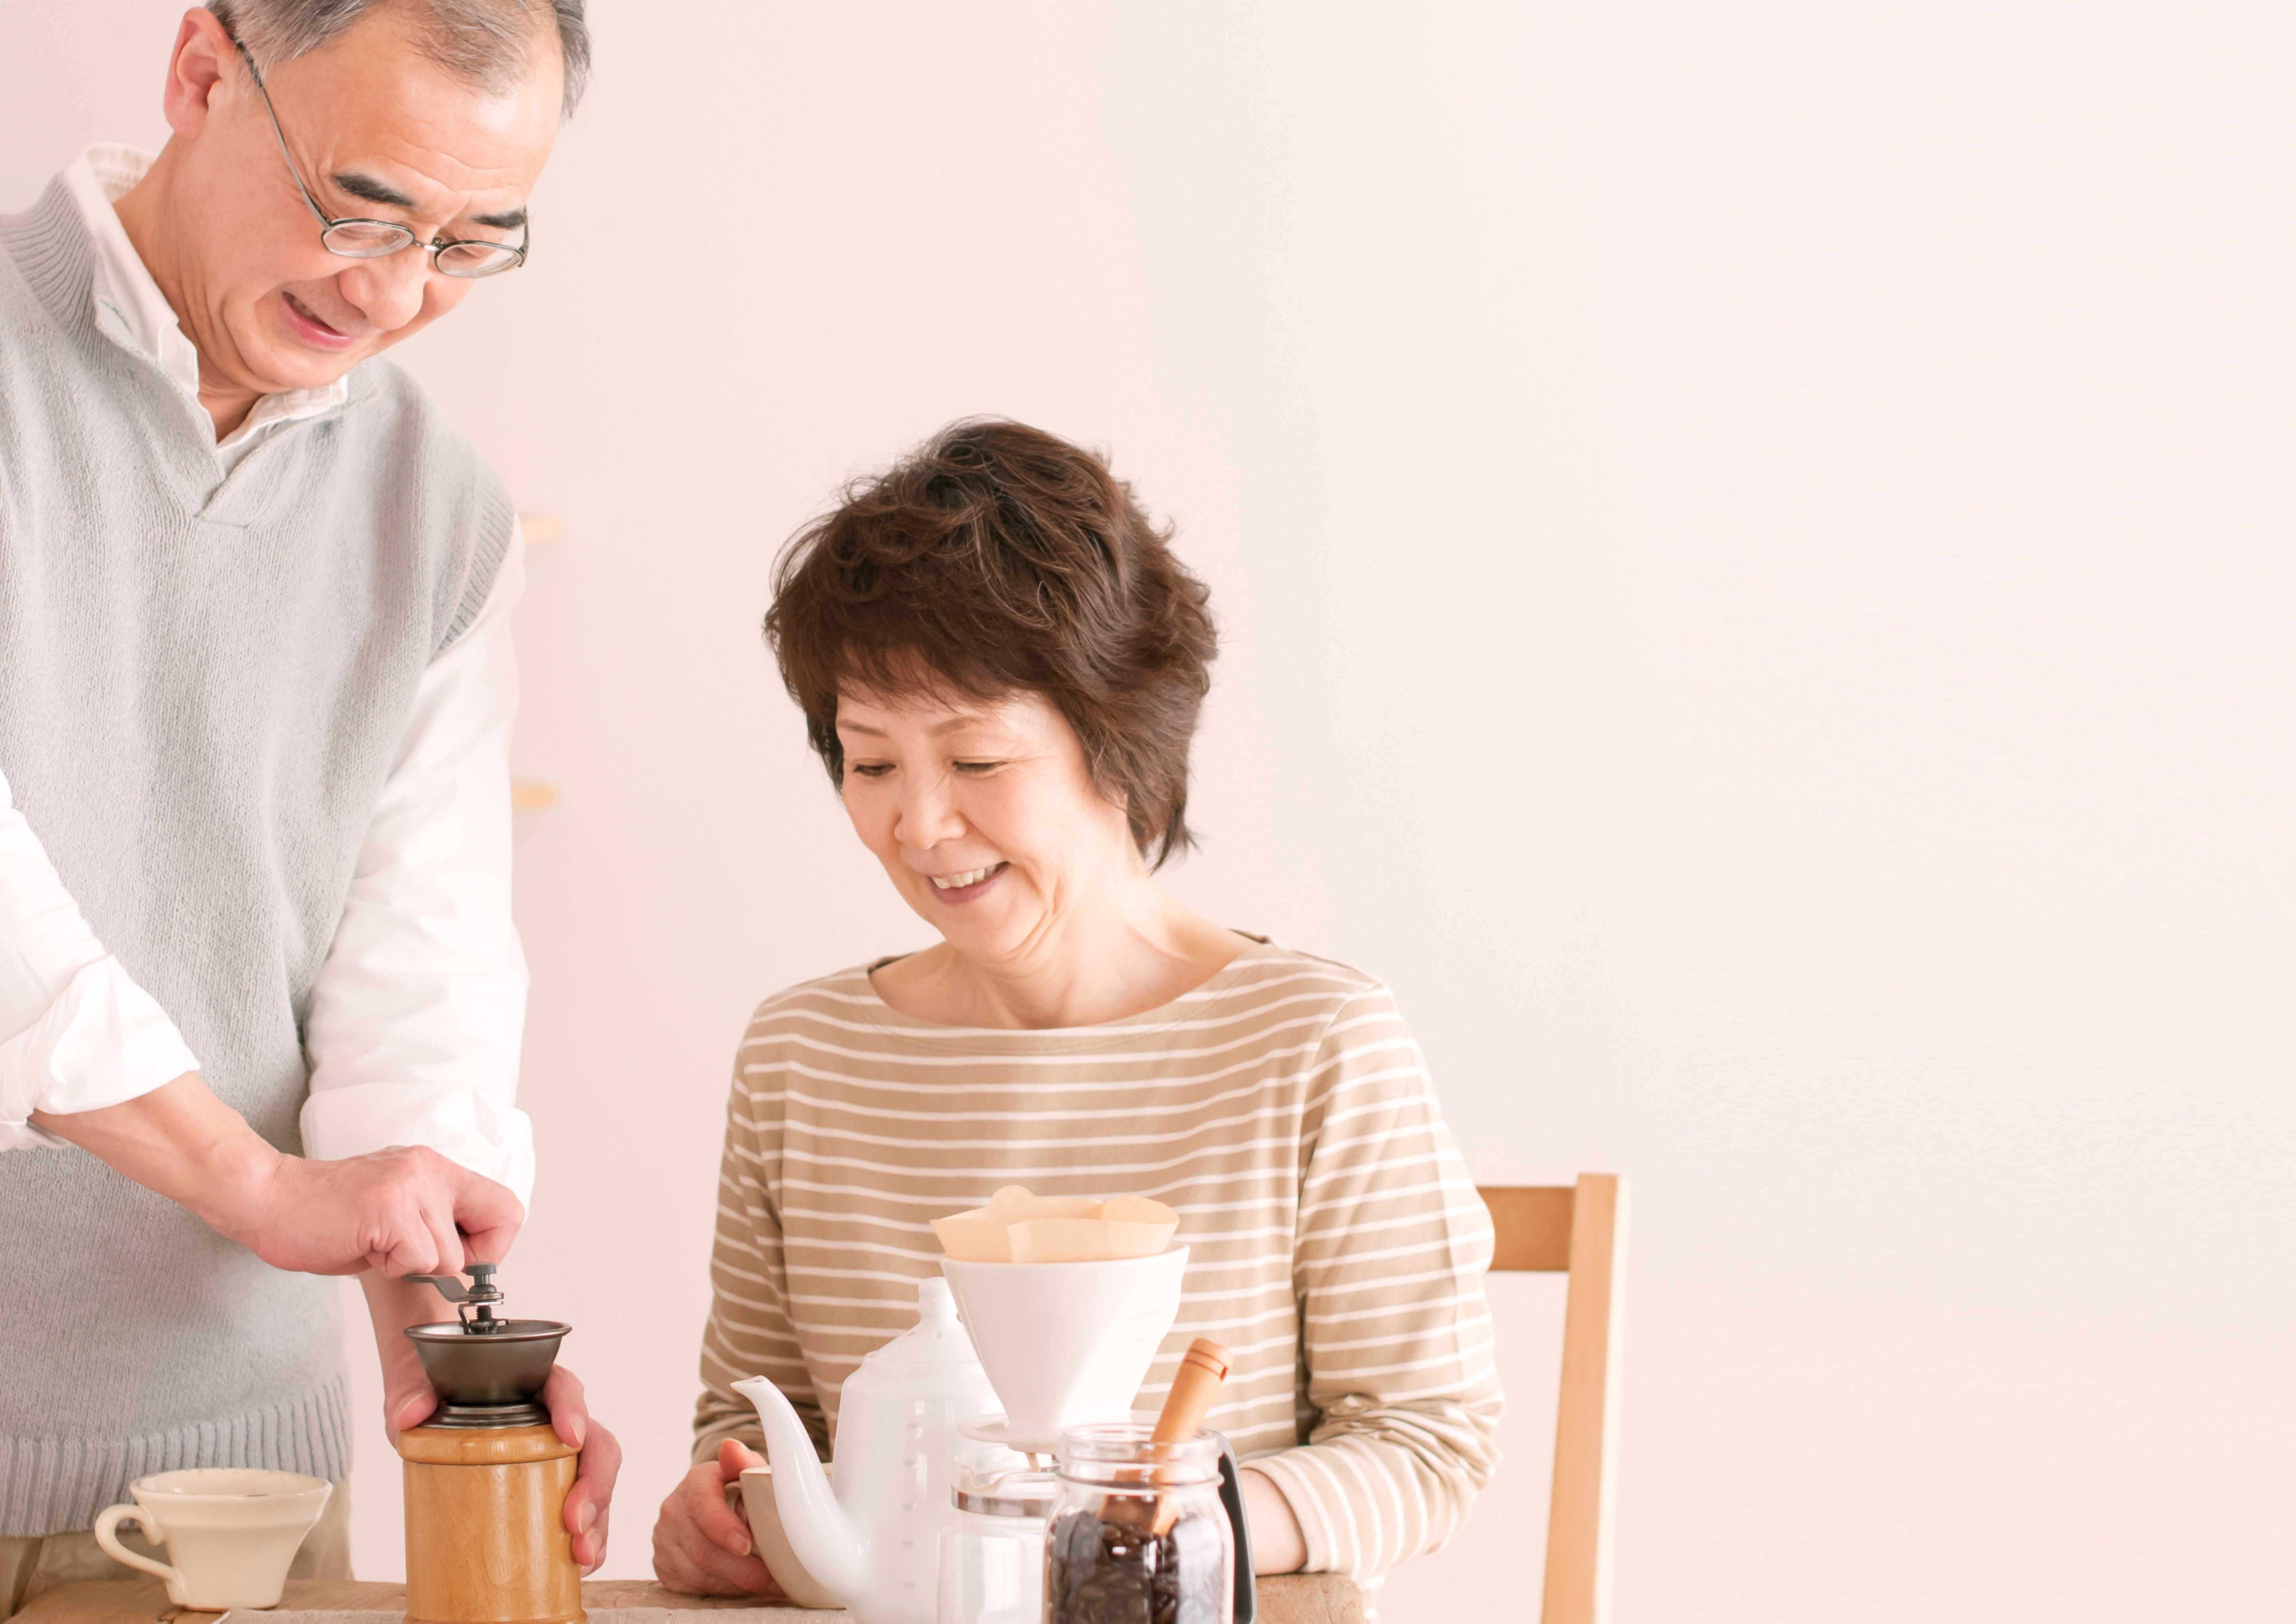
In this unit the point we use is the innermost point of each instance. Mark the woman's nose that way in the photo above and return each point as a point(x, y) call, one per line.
point(925, 818)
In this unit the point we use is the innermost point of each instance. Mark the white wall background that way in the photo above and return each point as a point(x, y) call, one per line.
point(1755, 548)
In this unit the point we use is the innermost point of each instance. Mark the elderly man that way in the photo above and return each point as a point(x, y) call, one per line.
point(256, 690)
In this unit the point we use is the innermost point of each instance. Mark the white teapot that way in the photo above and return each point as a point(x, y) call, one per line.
point(876, 1540)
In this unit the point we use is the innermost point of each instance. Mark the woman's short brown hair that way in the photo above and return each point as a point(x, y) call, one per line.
point(997, 560)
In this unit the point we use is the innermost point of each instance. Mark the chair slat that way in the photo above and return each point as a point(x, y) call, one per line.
point(1533, 1228)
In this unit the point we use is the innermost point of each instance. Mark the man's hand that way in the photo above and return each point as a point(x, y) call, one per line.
point(700, 1542)
point(404, 1210)
point(591, 1498)
point(401, 1211)
point(408, 1400)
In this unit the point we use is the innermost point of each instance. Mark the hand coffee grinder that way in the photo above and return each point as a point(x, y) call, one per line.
point(486, 1476)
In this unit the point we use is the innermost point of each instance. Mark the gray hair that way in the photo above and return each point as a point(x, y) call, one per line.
point(486, 43)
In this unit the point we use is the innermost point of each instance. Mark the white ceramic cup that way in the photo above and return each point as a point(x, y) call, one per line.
point(232, 1532)
point(1065, 1343)
point(773, 1546)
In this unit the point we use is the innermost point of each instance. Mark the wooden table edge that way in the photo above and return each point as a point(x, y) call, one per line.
point(1294, 1598)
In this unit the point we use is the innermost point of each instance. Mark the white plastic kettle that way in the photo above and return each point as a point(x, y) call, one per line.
point(876, 1540)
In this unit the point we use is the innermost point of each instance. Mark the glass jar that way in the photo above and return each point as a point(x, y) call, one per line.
point(1139, 1535)
point(992, 1558)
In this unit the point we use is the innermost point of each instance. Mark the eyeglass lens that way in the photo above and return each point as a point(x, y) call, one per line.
point(373, 239)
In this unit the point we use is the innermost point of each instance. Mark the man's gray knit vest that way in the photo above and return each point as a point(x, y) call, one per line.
point(203, 685)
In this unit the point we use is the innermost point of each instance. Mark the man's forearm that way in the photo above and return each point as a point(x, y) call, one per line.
point(181, 1142)
point(406, 1209)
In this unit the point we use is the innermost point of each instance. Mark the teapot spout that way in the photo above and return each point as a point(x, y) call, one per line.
point(824, 1538)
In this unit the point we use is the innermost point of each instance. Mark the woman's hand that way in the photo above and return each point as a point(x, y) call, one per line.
point(700, 1542)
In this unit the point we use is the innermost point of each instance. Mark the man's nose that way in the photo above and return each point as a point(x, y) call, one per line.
point(388, 291)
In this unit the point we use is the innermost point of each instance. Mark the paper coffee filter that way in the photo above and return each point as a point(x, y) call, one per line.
point(1018, 1227)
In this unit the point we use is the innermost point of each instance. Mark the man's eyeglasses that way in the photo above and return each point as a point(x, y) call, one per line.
point(373, 239)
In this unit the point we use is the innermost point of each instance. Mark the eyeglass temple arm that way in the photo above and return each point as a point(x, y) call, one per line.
point(280, 136)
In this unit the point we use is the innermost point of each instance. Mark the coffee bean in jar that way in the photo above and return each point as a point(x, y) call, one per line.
point(1100, 1572)
point(1139, 1535)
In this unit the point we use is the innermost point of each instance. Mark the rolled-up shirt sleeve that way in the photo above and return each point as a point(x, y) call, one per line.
point(416, 1019)
point(77, 1033)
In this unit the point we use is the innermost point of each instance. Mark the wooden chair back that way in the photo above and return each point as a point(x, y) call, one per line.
point(1579, 1231)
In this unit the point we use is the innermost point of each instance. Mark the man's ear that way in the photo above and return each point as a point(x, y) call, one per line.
point(204, 56)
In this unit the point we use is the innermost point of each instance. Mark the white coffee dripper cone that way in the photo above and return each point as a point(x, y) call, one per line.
point(1065, 1343)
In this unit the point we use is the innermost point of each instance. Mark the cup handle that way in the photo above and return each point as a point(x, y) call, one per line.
point(109, 1520)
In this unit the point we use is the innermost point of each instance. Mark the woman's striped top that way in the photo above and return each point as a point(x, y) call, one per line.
point(1336, 1244)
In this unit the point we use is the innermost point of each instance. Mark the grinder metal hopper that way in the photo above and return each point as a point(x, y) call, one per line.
point(488, 1372)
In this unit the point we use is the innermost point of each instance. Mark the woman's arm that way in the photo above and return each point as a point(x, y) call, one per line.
point(1277, 1544)
point(701, 1543)
point(1392, 1245)
point(749, 1332)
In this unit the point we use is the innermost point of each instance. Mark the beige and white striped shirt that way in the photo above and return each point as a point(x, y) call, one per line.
point(1336, 1243)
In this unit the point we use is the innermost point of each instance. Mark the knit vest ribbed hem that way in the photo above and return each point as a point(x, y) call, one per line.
point(52, 1484)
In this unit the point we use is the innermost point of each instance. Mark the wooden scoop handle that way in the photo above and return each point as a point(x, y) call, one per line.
point(1203, 1368)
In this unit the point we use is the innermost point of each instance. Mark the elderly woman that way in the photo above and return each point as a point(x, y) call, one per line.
point(1001, 665)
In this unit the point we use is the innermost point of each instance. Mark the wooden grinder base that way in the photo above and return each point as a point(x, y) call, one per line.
point(485, 1540)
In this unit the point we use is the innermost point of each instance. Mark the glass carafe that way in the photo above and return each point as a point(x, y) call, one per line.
point(1139, 1535)
point(992, 1558)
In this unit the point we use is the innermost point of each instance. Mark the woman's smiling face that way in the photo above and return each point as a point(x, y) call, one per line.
point(984, 815)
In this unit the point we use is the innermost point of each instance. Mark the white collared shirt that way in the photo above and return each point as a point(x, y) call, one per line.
point(415, 1020)
point(105, 174)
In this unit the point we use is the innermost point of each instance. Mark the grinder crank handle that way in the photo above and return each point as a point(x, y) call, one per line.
point(483, 1288)
point(481, 1294)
